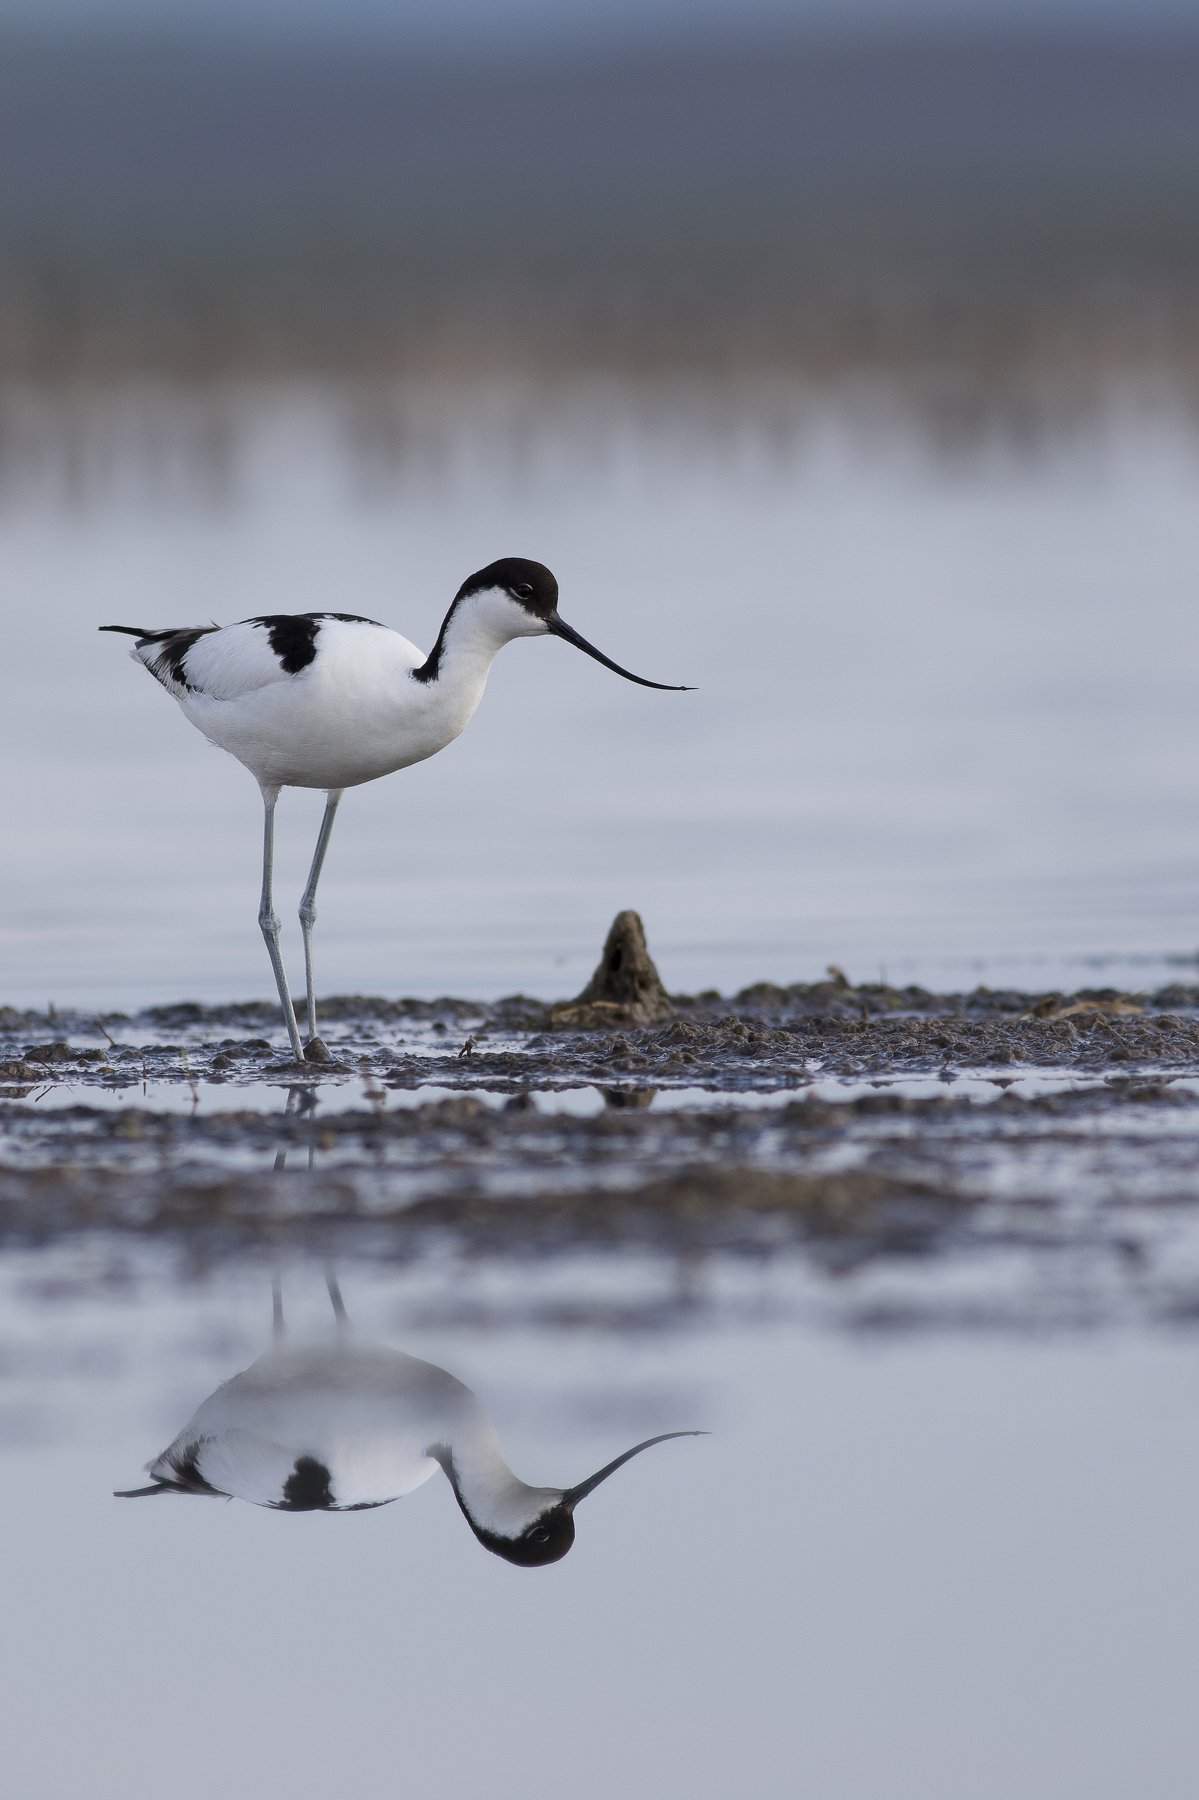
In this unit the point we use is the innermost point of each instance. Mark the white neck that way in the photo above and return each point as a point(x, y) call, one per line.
point(475, 630)
point(493, 1498)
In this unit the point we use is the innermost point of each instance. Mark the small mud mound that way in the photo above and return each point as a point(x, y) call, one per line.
point(626, 988)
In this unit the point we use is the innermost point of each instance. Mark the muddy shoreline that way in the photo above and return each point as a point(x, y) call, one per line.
point(766, 1036)
point(827, 1128)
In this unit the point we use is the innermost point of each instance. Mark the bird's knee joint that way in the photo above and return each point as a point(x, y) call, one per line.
point(268, 923)
point(308, 917)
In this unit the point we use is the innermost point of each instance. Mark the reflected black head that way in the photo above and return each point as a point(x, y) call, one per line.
point(530, 584)
point(546, 1540)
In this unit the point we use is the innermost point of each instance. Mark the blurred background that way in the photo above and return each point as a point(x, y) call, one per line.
point(840, 357)
point(841, 360)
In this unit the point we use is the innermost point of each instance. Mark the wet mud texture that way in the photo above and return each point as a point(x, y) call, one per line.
point(1074, 1207)
point(1040, 1150)
point(765, 1038)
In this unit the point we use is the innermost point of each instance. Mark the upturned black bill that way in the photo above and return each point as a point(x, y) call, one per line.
point(575, 1494)
point(561, 629)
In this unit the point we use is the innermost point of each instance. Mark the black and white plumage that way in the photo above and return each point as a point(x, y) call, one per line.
point(330, 700)
point(348, 1425)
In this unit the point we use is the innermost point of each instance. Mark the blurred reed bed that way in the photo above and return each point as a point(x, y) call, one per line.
point(89, 444)
point(990, 234)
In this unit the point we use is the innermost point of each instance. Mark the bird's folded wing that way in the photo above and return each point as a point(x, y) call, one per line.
point(223, 664)
point(233, 1462)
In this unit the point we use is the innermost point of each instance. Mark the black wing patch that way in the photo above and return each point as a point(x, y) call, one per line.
point(169, 666)
point(188, 1472)
point(292, 636)
point(171, 662)
point(308, 1488)
point(184, 1478)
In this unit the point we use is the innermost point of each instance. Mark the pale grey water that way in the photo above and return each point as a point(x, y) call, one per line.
point(925, 1566)
point(940, 1542)
point(944, 727)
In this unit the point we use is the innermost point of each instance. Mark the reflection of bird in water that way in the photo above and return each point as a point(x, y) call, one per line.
point(330, 700)
point(343, 1426)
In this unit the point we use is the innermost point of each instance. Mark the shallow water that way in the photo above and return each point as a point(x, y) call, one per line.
point(914, 1566)
point(944, 726)
point(928, 1270)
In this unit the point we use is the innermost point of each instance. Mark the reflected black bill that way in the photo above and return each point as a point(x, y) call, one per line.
point(575, 1494)
point(561, 629)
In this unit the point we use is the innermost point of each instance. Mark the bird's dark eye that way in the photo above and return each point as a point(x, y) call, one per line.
point(524, 591)
point(539, 1535)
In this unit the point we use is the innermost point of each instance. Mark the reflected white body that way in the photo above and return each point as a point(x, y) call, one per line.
point(370, 1415)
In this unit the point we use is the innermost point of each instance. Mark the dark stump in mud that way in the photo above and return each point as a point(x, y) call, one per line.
point(626, 988)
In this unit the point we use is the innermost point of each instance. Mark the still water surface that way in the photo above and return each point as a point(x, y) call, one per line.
point(895, 1566)
point(923, 1566)
point(944, 725)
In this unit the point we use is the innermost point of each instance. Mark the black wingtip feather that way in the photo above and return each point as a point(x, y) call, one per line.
point(137, 631)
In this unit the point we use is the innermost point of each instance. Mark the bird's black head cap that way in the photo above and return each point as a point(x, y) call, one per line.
point(546, 1540)
point(530, 584)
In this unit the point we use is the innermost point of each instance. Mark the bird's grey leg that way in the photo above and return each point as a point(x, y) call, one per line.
point(316, 1051)
point(301, 1098)
point(270, 924)
point(277, 1306)
point(338, 1304)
